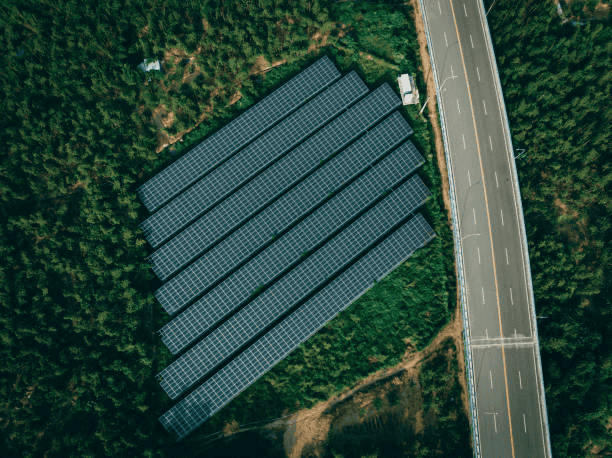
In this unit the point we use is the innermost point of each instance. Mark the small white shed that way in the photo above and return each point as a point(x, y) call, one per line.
point(149, 65)
point(408, 90)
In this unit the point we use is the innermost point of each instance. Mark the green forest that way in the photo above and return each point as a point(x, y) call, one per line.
point(558, 90)
point(83, 127)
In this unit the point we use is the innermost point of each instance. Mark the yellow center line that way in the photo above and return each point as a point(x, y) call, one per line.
point(489, 225)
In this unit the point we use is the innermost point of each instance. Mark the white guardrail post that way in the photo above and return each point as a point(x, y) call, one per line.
point(500, 96)
point(458, 256)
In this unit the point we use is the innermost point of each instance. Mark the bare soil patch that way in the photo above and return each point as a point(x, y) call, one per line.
point(318, 40)
point(235, 97)
point(261, 65)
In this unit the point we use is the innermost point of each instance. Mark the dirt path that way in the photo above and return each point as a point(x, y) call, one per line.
point(309, 427)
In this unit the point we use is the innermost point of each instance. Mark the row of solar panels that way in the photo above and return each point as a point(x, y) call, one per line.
point(259, 225)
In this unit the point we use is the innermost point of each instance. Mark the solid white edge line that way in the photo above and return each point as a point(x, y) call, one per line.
point(463, 285)
point(523, 238)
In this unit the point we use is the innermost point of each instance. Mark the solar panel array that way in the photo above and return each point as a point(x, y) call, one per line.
point(273, 225)
point(200, 275)
point(292, 287)
point(275, 345)
point(252, 159)
point(214, 305)
point(217, 147)
point(272, 182)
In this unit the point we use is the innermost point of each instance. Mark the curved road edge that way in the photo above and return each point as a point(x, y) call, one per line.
point(457, 239)
point(502, 103)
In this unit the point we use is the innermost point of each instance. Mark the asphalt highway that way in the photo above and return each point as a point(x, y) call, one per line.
point(510, 408)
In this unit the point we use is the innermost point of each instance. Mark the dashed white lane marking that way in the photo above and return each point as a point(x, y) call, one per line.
point(439, 9)
point(471, 41)
point(452, 74)
point(464, 10)
point(463, 137)
point(490, 143)
point(483, 301)
point(524, 423)
point(502, 215)
point(491, 377)
point(520, 380)
point(507, 262)
point(445, 39)
point(478, 72)
point(485, 106)
point(511, 300)
point(469, 179)
point(478, 248)
point(495, 421)
point(496, 182)
point(458, 106)
point(487, 333)
point(474, 213)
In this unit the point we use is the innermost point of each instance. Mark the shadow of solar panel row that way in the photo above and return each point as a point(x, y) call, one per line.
point(272, 182)
point(217, 303)
point(294, 286)
point(249, 161)
point(222, 144)
point(300, 200)
point(272, 347)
